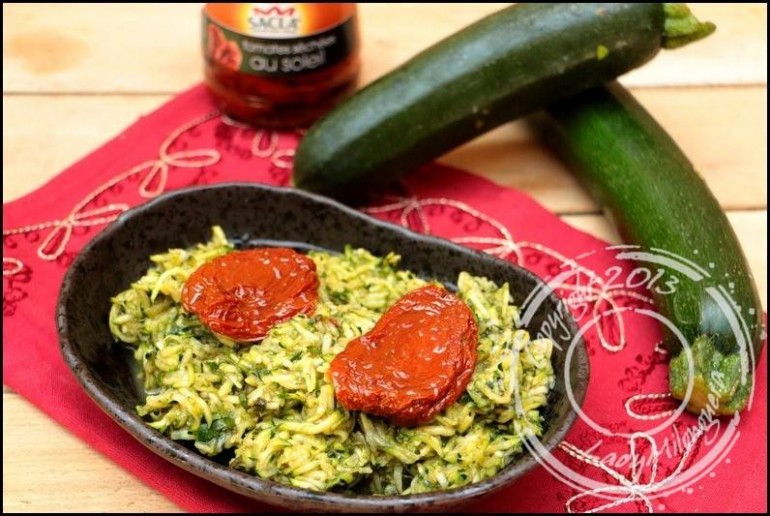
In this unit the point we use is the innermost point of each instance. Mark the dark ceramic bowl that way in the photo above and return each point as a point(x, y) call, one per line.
point(261, 215)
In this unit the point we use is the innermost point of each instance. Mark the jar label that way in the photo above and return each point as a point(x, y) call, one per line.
point(278, 39)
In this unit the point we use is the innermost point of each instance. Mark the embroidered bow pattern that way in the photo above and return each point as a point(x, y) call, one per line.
point(588, 294)
point(153, 178)
point(633, 489)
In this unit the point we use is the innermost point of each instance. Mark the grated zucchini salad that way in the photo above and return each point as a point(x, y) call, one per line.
point(271, 407)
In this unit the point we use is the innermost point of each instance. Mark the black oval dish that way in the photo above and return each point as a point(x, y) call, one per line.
point(254, 214)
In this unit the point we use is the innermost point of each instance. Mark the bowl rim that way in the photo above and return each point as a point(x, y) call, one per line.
point(251, 485)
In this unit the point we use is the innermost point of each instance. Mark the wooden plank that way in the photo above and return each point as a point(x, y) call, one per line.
point(156, 47)
point(723, 130)
point(47, 469)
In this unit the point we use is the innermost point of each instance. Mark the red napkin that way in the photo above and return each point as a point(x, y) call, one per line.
point(187, 143)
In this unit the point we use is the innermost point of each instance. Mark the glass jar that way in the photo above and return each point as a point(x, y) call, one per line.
point(280, 65)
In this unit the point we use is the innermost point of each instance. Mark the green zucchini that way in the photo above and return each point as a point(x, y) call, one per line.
point(657, 200)
point(509, 64)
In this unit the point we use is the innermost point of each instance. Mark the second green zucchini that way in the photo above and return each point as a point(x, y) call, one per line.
point(658, 202)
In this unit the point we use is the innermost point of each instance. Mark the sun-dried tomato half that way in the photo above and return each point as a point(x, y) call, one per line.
point(415, 362)
point(229, 55)
point(243, 294)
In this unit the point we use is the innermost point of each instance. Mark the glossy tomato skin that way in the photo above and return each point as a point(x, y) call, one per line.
point(243, 294)
point(415, 362)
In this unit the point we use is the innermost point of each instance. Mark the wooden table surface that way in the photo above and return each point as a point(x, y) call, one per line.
point(74, 75)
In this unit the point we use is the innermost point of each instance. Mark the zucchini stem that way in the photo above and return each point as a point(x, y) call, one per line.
point(681, 27)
